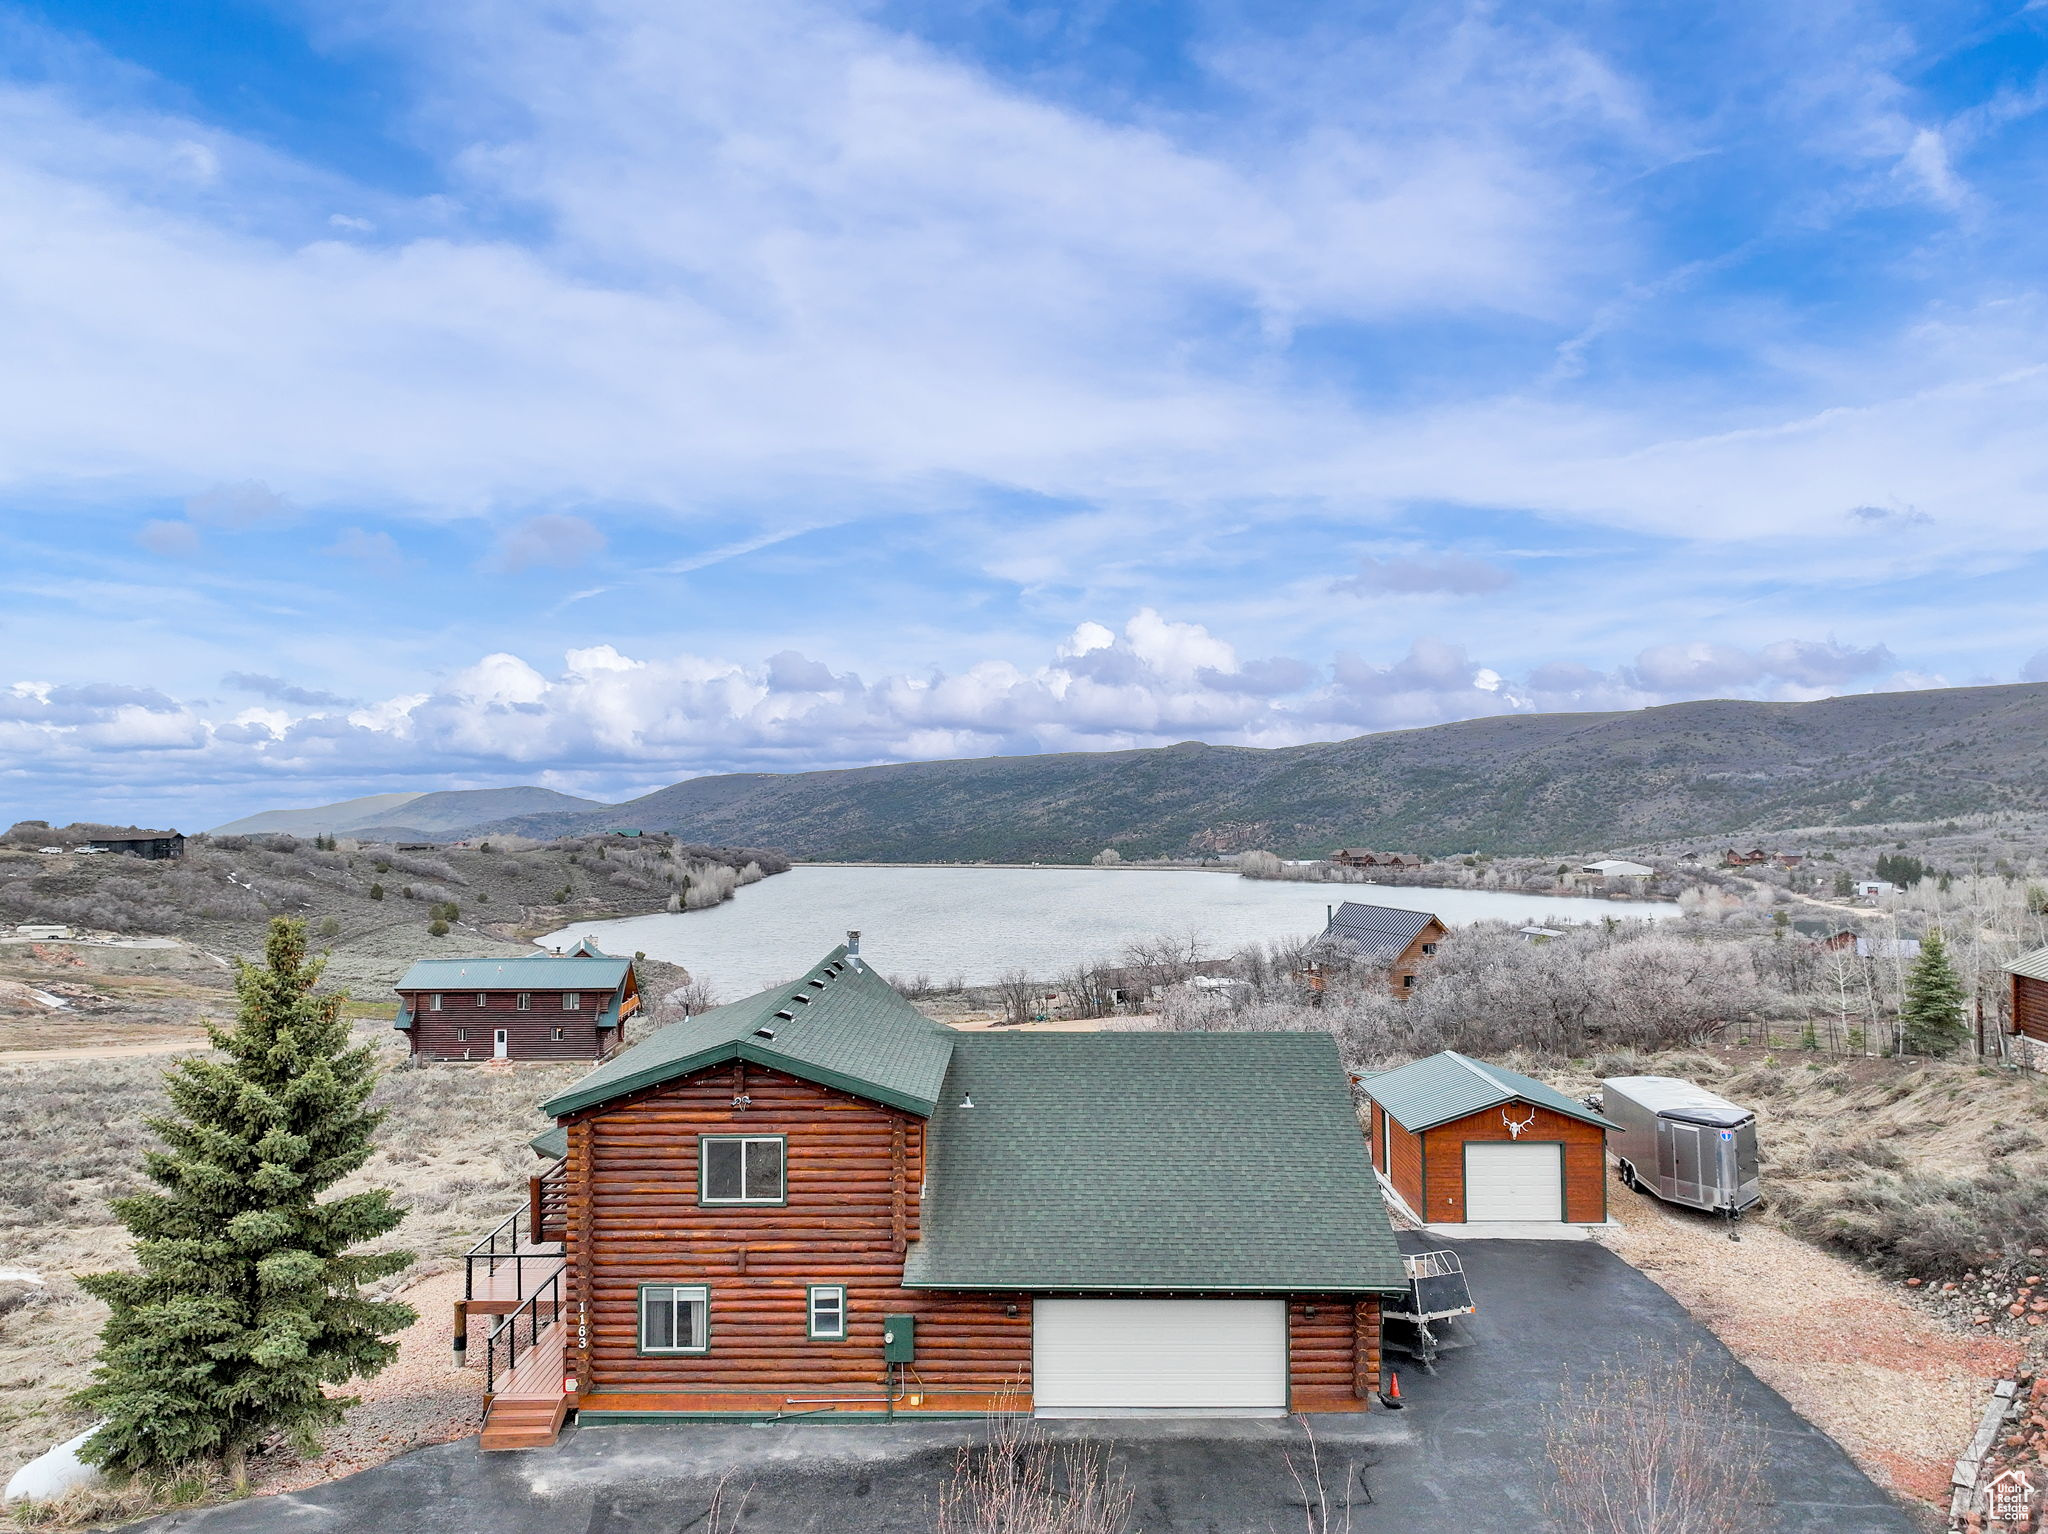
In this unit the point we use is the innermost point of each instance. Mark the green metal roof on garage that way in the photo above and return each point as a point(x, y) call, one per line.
point(1450, 1086)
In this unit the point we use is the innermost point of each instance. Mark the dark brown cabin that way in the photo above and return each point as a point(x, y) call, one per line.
point(817, 1201)
point(567, 1006)
point(1463, 1142)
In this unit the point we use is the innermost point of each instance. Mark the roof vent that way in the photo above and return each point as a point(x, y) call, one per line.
point(819, 984)
point(853, 945)
point(786, 1015)
point(764, 1033)
point(967, 1099)
point(802, 998)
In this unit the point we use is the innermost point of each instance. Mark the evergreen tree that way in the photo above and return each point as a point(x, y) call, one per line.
point(248, 1299)
point(1931, 1021)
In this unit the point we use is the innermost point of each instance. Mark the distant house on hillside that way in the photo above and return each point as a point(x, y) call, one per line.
point(1790, 859)
point(1871, 889)
point(1360, 857)
point(156, 846)
point(1385, 937)
point(1734, 859)
point(544, 1006)
point(1617, 868)
point(1826, 935)
point(1538, 934)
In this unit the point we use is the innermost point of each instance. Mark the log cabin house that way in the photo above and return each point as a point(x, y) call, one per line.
point(818, 1203)
point(2028, 1012)
point(1384, 937)
point(1461, 1142)
point(544, 1006)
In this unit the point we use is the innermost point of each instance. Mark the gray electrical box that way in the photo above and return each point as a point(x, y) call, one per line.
point(899, 1339)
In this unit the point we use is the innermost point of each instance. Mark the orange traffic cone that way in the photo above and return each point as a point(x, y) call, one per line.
point(1391, 1396)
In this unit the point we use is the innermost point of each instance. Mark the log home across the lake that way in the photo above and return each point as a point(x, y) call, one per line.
point(567, 1006)
point(819, 1202)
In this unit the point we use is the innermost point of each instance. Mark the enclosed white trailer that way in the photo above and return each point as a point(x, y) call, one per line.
point(1683, 1143)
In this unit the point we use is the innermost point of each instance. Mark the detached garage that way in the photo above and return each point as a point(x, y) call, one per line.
point(1461, 1142)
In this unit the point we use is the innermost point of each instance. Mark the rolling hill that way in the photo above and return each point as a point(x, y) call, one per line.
point(429, 815)
point(1531, 783)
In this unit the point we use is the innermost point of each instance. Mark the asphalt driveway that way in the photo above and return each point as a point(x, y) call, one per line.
point(1467, 1454)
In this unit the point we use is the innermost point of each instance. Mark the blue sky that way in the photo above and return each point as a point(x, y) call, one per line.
point(608, 391)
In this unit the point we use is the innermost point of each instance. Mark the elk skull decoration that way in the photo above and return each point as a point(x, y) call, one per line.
point(1515, 1127)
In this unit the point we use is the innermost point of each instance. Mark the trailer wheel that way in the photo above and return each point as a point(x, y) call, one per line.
point(1628, 1177)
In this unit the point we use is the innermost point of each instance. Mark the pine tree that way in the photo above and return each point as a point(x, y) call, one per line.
point(1931, 1021)
point(248, 1299)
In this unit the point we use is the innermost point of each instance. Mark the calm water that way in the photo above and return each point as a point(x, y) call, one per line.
point(979, 922)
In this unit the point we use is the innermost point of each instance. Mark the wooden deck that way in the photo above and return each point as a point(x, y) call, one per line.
point(528, 1407)
point(498, 1286)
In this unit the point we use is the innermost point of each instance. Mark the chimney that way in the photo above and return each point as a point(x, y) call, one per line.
point(853, 945)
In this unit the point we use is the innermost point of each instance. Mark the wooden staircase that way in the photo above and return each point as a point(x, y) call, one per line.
point(527, 1409)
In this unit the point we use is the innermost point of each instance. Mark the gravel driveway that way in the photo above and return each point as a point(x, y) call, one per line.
point(1467, 1454)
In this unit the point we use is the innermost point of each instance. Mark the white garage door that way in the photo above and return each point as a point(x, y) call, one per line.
point(1094, 1358)
point(1513, 1182)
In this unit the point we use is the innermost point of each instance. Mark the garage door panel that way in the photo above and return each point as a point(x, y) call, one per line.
point(1507, 1181)
point(1163, 1355)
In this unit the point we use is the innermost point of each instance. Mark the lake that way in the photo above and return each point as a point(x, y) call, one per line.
point(977, 923)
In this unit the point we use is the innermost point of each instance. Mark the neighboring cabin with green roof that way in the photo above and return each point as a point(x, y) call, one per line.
point(819, 1201)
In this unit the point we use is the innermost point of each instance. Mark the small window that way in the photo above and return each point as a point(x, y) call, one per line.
point(556, 1034)
point(461, 1034)
point(736, 1169)
point(1429, 948)
point(827, 1321)
point(434, 1002)
point(526, 1001)
point(482, 1000)
point(1407, 982)
point(674, 1319)
point(572, 1001)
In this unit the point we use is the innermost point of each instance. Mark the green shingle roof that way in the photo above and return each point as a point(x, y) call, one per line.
point(1188, 1162)
point(852, 1031)
point(2033, 965)
point(551, 1143)
point(1448, 1086)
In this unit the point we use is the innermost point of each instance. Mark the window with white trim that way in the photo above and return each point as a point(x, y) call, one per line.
point(434, 1002)
point(461, 1034)
point(482, 1000)
point(740, 1169)
point(556, 1034)
point(827, 1318)
point(526, 1001)
point(572, 1001)
point(675, 1318)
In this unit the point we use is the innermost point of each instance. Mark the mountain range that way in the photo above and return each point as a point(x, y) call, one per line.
point(1510, 783)
point(444, 816)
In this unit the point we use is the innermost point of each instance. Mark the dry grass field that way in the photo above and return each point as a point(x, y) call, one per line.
point(454, 1149)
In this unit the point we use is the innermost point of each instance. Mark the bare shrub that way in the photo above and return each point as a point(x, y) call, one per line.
point(1020, 1481)
point(1654, 1443)
point(1018, 995)
point(1924, 1225)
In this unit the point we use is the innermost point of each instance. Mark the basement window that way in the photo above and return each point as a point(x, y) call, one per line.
point(827, 1317)
point(1407, 982)
point(556, 1034)
point(572, 1001)
point(675, 1319)
point(740, 1169)
point(461, 1034)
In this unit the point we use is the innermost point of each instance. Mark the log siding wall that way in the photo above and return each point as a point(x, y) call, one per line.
point(528, 1034)
point(2030, 1007)
point(1585, 1160)
point(854, 1170)
point(1405, 1170)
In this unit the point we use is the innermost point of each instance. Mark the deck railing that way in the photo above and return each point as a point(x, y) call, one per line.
point(513, 1243)
point(547, 1204)
point(520, 1331)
